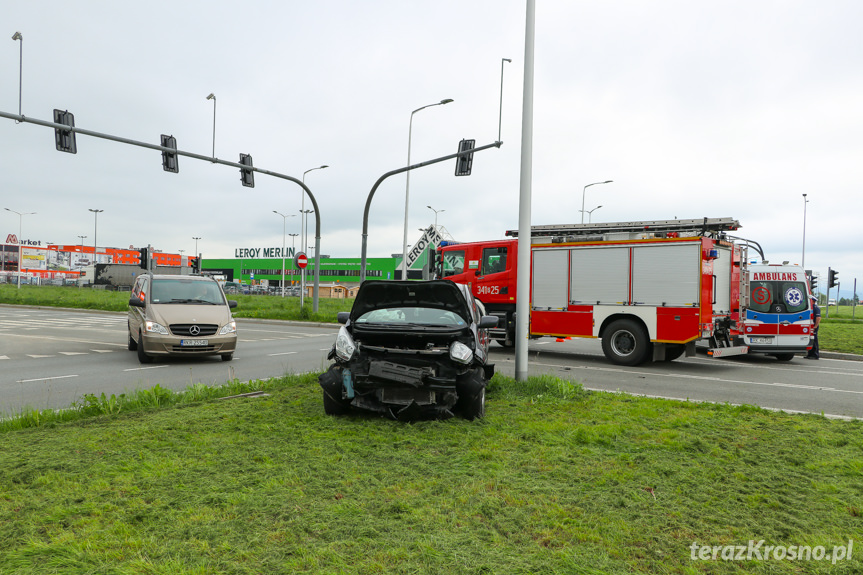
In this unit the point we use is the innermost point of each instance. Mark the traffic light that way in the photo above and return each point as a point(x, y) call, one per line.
point(463, 164)
point(813, 283)
point(196, 265)
point(144, 256)
point(169, 160)
point(247, 176)
point(832, 278)
point(65, 139)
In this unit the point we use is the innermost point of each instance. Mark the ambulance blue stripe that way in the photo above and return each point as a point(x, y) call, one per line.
point(771, 318)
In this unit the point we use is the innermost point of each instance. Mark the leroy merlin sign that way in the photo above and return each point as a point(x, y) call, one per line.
point(430, 237)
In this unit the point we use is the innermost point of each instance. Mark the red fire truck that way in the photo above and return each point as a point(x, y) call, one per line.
point(649, 290)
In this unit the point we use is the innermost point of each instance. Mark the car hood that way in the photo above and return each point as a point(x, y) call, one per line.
point(438, 294)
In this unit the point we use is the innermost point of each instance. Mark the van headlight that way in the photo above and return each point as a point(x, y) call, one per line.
point(230, 327)
point(153, 327)
point(345, 346)
point(460, 352)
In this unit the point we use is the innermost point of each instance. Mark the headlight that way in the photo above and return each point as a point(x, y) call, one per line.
point(345, 346)
point(230, 327)
point(154, 327)
point(460, 352)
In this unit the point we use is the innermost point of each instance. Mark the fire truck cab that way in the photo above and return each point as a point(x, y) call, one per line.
point(649, 290)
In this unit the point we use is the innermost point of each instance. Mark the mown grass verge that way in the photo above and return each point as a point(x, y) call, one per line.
point(553, 480)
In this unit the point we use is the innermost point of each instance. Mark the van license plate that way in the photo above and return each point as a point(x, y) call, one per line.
point(762, 340)
point(193, 342)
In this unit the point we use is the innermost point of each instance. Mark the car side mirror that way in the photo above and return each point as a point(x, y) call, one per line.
point(487, 321)
point(232, 303)
point(343, 317)
point(135, 301)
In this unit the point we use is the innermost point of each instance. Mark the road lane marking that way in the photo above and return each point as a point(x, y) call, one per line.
point(142, 368)
point(285, 353)
point(45, 378)
point(72, 353)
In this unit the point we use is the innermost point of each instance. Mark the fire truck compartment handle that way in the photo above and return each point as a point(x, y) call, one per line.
point(714, 289)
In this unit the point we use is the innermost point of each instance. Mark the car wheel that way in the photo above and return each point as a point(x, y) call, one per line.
point(142, 357)
point(227, 356)
point(784, 356)
point(334, 406)
point(625, 342)
point(331, 384)
point(133, 345)
point(471, 395)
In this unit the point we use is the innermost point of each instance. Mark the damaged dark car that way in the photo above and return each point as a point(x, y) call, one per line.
point(411, 350)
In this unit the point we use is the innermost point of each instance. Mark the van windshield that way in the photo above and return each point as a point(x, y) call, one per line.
point(179, 291)
point(778, 296)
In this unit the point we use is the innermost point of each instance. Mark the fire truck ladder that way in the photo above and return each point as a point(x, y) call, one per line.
point(713, 227)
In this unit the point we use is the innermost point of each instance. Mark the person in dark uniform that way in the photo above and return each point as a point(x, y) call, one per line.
point(816, 318)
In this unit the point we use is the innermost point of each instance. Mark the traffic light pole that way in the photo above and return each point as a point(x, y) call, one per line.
point(393, 173)
point(76, 130)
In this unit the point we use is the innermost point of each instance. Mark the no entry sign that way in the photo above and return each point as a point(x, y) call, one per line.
point(301, 261)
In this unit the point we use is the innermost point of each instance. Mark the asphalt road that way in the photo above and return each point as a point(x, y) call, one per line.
point(50, 358)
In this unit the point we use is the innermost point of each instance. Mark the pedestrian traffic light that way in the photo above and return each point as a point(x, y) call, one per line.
point(832, 278)
point(65, 139)
point(813, 283)
point(144, 256)
point(463, 164)
point(169, 160)
point(247, 176)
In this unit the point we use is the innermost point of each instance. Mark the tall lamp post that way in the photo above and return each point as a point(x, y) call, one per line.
point(803, 262)
point(95, 231)
point(303, 231)
point(436, 212)
point(82, 238)
point(590, 213)
point(213, 98)
point(284, 227)
point(584, 190)
point(17, 36)
point(408, 185)
point(20, 251)
point(197, 255)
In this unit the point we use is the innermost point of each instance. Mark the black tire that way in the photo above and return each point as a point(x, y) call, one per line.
point(784, 356)
point(227, 356)
point(142, 357)
point(471, 394)
point(334, 406)
point(505, 342)
point(673, 351)
point(625, 342)
point(133, 345)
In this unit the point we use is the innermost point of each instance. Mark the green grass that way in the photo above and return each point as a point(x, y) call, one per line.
point(553, 480)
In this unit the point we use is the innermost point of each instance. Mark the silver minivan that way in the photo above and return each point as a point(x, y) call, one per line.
point(180, 315)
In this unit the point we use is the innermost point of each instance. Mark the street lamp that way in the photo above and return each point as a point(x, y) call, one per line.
point(305, 241)
point(436, 212)
point(304, 232)
point(95, 230)
point(408, 184)
point(18, 36)
point(213, 98)
point(589, 213)
point(584, 190)
point(20, 251)
point(78, 281)
point(803, 262)
point(284, 225)
point(197, 255)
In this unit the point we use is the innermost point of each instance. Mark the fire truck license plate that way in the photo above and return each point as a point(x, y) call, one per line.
point(762, 340)
point(193, 342)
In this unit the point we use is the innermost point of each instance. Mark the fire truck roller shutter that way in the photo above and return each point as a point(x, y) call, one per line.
point(722, 271)
point(550, 270)
point(664, 275)
point(600, 275)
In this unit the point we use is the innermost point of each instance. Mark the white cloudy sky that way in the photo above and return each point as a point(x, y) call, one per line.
point(732, 108)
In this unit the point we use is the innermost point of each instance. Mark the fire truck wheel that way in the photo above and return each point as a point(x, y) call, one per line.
point(505, 342)
point(625, 343)
point(784, 356)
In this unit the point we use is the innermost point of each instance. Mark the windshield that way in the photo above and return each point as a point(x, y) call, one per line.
point(412, 316)
point(452, 263)
point(182, 291)
point(778, 297)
